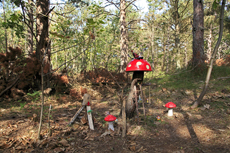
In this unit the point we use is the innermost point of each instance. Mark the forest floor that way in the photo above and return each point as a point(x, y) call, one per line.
point(202, 130)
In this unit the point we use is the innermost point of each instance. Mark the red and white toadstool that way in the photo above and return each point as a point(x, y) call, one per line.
point(170, 106)
point(138, 66)
point(110, 118)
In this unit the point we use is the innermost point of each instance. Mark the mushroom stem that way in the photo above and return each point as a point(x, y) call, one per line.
point(111, 126)
point(170, 112)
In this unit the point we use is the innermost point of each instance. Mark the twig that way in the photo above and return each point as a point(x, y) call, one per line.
point(66, 62)
point(31, 28)
point(50, 132)
point(114, 79)
point(223, 78)
point(129, 4)
point(67, 48)
point(111, 2)
point(75, 116)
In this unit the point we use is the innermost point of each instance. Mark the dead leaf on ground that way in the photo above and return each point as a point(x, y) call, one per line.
point(132, 148)
point(64, 142)
point(105, 133)
point(43, 143)
point(21, 121)
point(58, 150)
point(83, 120)
point(4, 145)
point(20, 148)
point(228, 111)
point(207, 106)
point(141, 149)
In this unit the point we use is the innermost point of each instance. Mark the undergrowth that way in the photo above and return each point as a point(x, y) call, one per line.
point(188, 79)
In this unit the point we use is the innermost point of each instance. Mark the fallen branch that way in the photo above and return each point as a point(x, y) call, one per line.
point(9, 87)
point(223, 78)
point(75, 116)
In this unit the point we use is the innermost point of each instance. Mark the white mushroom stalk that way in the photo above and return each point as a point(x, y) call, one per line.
point(170, 112)
point(111, 126)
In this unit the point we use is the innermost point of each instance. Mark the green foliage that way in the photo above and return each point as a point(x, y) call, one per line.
point(22, 105)
point(14, 22)
point(215, 4)
point(187, 79)
point(79, 3)
point(34, 96)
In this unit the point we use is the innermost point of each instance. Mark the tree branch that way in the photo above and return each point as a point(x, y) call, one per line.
point(24, 16)
point(111, 2)
point(16, 80)
point(138, 20)
point(68, 60)
point(129, 4)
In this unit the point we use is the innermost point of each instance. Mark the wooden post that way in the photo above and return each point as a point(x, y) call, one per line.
point(89, 114)
point(149, 96)
point(143, 102)
point(135, 91)
point(86, 99)
point(50, 132)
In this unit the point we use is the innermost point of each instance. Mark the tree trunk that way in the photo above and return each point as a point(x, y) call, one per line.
point(197, 102)
point(198, 33)
point(123, 37)
point(30, 29)
point(6, 45)
point(176, 18)
point(185, 55)
point(152, 45)
point(209, 51)
point(167, 53)
point(5, 28)
point(164, 52)
point(42, 104)
point(42, 27)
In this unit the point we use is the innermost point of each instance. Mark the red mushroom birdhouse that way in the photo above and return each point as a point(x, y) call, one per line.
point(170, 106)
point(138, 65)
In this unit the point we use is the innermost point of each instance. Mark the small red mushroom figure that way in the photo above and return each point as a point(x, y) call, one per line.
point(110, 118)
point(170, 106)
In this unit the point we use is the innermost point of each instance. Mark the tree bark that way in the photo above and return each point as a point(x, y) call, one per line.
point(123, 37)
point(152, 45)
point(5, 21)
point(176, 18)
point(42, 27)
point(209, 51)
point(6, 43)
point(198, 33)
point(30, 29)
point(197, 102)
